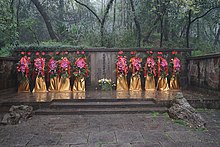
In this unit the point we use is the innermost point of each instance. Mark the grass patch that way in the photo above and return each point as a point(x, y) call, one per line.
point(181, 122)
point(166, 114)
point(202, 110)
point(155, 114)
point(201, 129)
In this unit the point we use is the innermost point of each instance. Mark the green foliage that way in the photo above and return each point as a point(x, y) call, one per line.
point(181, 122)
point(204, 47)
point(77, 27)
point(125, 39)
point(7, 24)
point(155, 114)
point(6, 51)
point(48, 46)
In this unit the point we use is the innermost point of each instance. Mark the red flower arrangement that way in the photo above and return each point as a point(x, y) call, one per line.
point(162, 66)
point(39, 65)
point(135, 64)
point(175, 63)
point(64, 67)
point(150, 68)
point(121, 65)
point(81, 68)
point(23, 66)
point(52, 68)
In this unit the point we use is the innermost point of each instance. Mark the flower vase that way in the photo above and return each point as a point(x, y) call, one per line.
point(24, 86)
point(149, 83)
point(162, 84)
point(79, 84)
point(135, 83)
point(40, 85)
point(54, 84)
point(175, 82)
point(122, 83)
point(64, 84)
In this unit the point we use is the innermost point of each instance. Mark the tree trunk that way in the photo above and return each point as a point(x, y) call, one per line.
point(161, 31)
point(146, 38)
point(101, 21)
point(114, 18)
point(102, 33)
point(61, 9)
point(137, 24)
point(191, 21)
point(188, 28)
point(217, 37)
point(166, 27)
point(46, 18)
point(104, 19)
point(17, 14)
point(198, 30)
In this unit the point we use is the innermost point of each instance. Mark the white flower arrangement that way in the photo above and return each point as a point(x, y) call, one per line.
point(106, 84)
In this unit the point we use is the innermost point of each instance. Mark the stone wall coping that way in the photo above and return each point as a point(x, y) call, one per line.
point(9, 59)
point(208, 56)
point(103, 49)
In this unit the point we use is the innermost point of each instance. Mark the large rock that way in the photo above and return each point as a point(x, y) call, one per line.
point(181, 109)
point(17, 114)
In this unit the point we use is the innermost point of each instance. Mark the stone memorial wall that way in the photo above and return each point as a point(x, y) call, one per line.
point(8, 77)
point(102, 66)
point(204, 71)
point(102, 60)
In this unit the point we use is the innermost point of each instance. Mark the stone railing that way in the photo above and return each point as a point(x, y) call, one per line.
point(8, 76)
point(204, 71)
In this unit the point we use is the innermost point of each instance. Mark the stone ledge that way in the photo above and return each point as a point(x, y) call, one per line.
point(102, 49)
point(8, 59)
point(208, 56)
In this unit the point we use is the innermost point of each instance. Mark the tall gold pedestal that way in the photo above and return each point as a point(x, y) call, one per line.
point(79, 84)
point(40, 85)
point(162, 84)
point(150, 83)
point(175, 83)
point(64, 85)
point(135, 83)
point(54, 84)
point(122, 83)
point(24, 86)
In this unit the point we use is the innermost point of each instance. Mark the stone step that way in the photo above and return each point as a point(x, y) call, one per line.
point(81, 111)
point(102, 100)
point(116, 104)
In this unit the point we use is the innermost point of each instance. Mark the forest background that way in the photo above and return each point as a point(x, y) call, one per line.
point(111, 24)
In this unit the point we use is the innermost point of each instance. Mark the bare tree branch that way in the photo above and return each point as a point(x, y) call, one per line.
point(46, 19)
point(93, 12)
point(204, 14)
point(107, 10)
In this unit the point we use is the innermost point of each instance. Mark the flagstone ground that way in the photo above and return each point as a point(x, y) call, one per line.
point(112, 130)
point(108, 130)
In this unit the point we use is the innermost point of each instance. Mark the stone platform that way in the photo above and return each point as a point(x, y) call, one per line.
point(103, 102)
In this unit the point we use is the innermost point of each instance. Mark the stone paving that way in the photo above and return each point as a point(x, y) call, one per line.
point(114, 130)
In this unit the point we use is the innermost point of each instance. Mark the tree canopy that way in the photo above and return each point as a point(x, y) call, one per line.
point(111, 23)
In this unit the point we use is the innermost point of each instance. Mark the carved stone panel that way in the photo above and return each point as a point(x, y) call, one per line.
point(102, 66)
